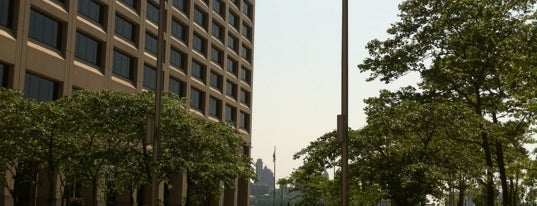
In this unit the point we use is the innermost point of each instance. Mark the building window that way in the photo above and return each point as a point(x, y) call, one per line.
point(231, 90)
point(177, 87)
point(219, 7)
point(196, 99)
point(45, 29)
point(246, 31)
point(215, 107)
point(232, 66)
point(153, 13)
point(236, 3)
point(125, 29)
point(244, 97)
point(6, 13)
point(231, 114)
point(151, 43)
point(233, 43)
point(246, 75)
point(88, 49)
point(131, 3)
point(199, 44)
point(150, 78)
point(39, 88)
point(233, 20)
point(123, 65)
point(198, 71)
point(246, 53)
point(200, 18)
point(91, 10)
point(216, 81)
point(177, 58)
point(3, 75)
point(218, 31)
point(247, 9)
point(244, 121)
point(179, 30)
point(181, 5)
point(217, 56)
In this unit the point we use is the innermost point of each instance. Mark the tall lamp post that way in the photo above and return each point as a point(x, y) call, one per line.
point(343, 123)
point(161, 52)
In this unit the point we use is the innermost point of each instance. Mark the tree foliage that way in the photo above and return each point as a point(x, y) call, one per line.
point(99, 140)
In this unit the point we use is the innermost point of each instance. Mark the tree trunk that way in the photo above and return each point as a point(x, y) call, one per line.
point(489, 185)
point(503, 177)
point(462, 191)
point(94, 191)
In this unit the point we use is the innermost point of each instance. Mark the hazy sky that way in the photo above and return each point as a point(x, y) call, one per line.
point(297, 72)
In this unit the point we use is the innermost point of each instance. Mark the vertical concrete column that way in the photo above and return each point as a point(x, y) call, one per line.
point(46, 186)
point(243, 192)
point(176, 191)
point(5, 197)
point(230, 195)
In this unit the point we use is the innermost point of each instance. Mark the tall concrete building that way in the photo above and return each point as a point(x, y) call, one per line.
point(49, 48)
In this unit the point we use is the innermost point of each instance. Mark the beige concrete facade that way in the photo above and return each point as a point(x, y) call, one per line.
point(22, 54)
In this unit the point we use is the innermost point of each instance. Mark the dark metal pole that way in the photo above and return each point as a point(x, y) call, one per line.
point(274, 190)
point(161, 52)
point(344, 104)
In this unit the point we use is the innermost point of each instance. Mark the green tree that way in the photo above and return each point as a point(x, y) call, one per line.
point(109, 128)
point(15, 130)
point(412, 144)
point(480, 53)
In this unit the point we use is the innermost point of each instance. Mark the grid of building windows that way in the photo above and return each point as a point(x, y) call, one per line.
point(68, 45)
point(45, 29)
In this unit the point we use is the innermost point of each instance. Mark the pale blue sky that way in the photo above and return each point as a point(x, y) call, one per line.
point(297, 71)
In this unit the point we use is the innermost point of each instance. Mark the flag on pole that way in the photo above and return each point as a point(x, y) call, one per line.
point(274, 155)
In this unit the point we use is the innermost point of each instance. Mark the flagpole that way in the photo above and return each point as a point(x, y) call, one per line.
point(274, 190)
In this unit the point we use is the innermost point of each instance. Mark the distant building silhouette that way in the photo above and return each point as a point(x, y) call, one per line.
point(265, 180)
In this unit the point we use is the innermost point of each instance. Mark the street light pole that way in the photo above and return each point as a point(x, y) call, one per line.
point(343, 123)
point(161, 52)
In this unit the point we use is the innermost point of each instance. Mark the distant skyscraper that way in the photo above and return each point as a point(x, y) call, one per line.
point(50, 48)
